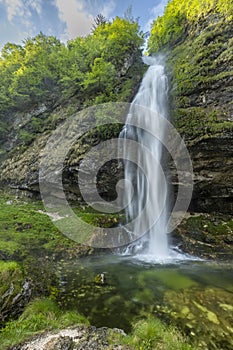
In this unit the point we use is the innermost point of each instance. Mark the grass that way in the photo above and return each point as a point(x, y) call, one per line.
point(10, 273)
point(44, 315)
point(26, 230)
point(152, 334)
point(40, 315)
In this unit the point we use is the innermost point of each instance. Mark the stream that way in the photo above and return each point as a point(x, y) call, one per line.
point(195, 295)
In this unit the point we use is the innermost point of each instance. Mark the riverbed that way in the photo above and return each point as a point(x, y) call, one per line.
point(114, 290)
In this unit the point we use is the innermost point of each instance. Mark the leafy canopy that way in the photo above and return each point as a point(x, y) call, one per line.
point(104, 66)
point(43, 68)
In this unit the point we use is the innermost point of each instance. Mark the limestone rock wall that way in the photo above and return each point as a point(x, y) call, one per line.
point(200, 67)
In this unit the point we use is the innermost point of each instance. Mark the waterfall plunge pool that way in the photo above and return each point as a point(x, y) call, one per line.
point(195, 295)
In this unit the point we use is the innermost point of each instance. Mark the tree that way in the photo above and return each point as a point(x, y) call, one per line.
point(99, 20)
point(101, 77)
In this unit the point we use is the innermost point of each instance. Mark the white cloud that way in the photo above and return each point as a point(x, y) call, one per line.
point(19, 22)
point(76, 17)
point(108, 9)
point(35, 5)
point(13, 8)
point(105, 7)
point(22, 9)
point(159, 9)
point(156, 11)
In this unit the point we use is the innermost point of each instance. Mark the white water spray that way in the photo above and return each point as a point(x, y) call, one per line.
point(149, 182)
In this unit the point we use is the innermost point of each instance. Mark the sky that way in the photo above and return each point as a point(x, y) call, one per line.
point(67, 19)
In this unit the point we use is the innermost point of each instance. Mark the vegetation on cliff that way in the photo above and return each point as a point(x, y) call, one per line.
point(196, 38)
point(104, 66)
point(179, 15)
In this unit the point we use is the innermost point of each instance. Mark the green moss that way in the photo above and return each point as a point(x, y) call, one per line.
point(26, 231)
point(101, 220)
point(199, 63)
point(10, 273)
point(26, 137)
point(200, 67)
point(217, 226)
point(197, 123)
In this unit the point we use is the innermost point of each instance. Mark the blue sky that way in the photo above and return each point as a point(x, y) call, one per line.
point(66, 19)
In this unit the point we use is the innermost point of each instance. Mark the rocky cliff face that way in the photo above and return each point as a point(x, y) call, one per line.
point(21, 161)
point(213, 176)
point(200, 66)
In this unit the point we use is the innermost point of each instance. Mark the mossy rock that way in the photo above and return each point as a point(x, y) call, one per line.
point(206, 235)
point(15, 290)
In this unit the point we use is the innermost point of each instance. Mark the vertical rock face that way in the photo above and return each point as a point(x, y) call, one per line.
point(213, 175)
point(19, 169)
point(200, 66)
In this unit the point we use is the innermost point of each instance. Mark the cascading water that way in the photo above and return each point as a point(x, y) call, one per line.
point(148, 182)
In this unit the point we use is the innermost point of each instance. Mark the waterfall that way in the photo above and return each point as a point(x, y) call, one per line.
point(149, 182)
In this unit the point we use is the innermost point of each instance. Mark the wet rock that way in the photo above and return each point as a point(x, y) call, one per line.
point(15, 291)
point(12, 302)
point(100, 279)
point(200, 235)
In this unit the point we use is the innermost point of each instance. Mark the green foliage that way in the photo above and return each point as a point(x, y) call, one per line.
point(199, 59)
point(44, 68)
point(40, 315)
point(95, 69)
point(179, 15)
point(100, 78)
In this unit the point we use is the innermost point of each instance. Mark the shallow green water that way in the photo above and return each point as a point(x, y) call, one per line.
point(196, 295)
